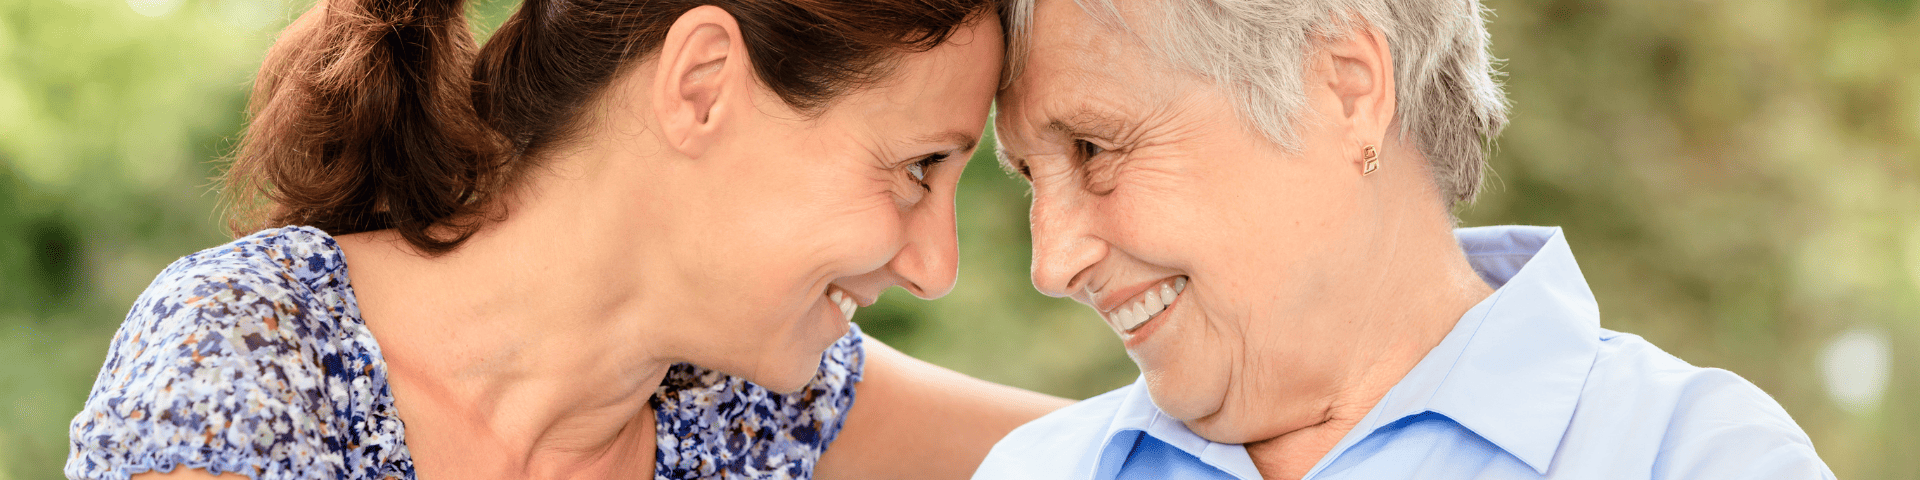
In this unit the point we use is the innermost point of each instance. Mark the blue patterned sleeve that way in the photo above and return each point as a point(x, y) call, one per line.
point(840, 370)
point(711, 425)
point(197, 378)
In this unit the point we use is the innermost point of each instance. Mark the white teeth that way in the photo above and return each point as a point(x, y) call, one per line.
point(846, 304)
point(1130, 319)
point(1150, 305)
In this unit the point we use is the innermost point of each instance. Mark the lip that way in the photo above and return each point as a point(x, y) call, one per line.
point(841, 315)
point(1139, 336)
point(859, 300)
point(1136, 293)
point(1126, 296)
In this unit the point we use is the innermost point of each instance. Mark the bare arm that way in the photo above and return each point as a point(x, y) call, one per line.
point(912, 420)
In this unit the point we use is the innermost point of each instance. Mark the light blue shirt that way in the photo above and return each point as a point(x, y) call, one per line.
point(1526, 385)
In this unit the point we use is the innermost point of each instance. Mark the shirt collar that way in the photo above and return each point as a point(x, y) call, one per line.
point(1137, 415)
point(1512, 368)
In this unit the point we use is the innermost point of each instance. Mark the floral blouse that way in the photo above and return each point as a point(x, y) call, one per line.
point(252, 358)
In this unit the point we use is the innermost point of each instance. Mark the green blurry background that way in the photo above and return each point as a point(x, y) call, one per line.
point(1740, 178)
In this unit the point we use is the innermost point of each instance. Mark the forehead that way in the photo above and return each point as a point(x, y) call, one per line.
point(1083, 65)
point(1066, 39)
point(940, 90)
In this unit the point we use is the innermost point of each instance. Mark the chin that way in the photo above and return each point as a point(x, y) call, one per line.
point(1196, 396)
point(1182, 397)
point(1215, 415)
point(793, 371)
point(788, 365)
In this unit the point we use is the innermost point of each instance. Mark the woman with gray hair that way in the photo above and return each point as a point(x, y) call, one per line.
point(1256, 195)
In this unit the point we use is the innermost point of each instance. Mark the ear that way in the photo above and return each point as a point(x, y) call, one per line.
point(1360, 74)
point(701, 65)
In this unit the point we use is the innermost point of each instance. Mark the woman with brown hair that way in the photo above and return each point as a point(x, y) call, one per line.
point(613, 242)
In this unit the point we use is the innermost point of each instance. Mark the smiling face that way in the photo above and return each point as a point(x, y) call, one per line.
point(1215, 255)
point(786, 225)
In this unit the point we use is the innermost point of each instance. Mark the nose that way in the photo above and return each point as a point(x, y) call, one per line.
point(1064, 248)
point(930, 260)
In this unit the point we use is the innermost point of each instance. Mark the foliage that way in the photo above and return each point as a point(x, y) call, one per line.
point(1741, 180)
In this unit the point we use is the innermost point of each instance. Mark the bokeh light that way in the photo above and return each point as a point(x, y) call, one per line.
point(1855, 368)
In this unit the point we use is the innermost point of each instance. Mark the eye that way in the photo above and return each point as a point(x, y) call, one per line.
point(918, 169)
point(1087, 150)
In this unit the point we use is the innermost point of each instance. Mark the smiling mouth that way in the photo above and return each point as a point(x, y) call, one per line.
point(841, 299)
point(1149, 305)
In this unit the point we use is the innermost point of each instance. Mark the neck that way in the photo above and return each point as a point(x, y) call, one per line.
point(524, 352)
point(1414, 289)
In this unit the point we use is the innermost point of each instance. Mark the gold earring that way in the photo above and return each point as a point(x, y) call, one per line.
point(1371, 156)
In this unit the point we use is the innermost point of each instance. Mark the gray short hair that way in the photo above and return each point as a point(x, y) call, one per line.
point(1450, 101)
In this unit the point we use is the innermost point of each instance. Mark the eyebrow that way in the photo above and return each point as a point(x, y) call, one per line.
point(964, 141)
point(1071, 125)
point(1085, 121)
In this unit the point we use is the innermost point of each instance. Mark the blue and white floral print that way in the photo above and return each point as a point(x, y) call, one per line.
point(252, 358)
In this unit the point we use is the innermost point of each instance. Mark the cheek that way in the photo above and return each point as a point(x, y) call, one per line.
point(784, 273)
point(812, 247)
point(1264, 221)
point(1160, 215)
point(1227, 226)
point(774, 247)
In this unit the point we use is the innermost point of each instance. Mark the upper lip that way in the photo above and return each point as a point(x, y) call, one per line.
point(1113, 300)
point(858, 299)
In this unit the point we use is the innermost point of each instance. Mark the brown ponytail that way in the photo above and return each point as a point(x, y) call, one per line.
point(377, 114)
point(363, 120)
